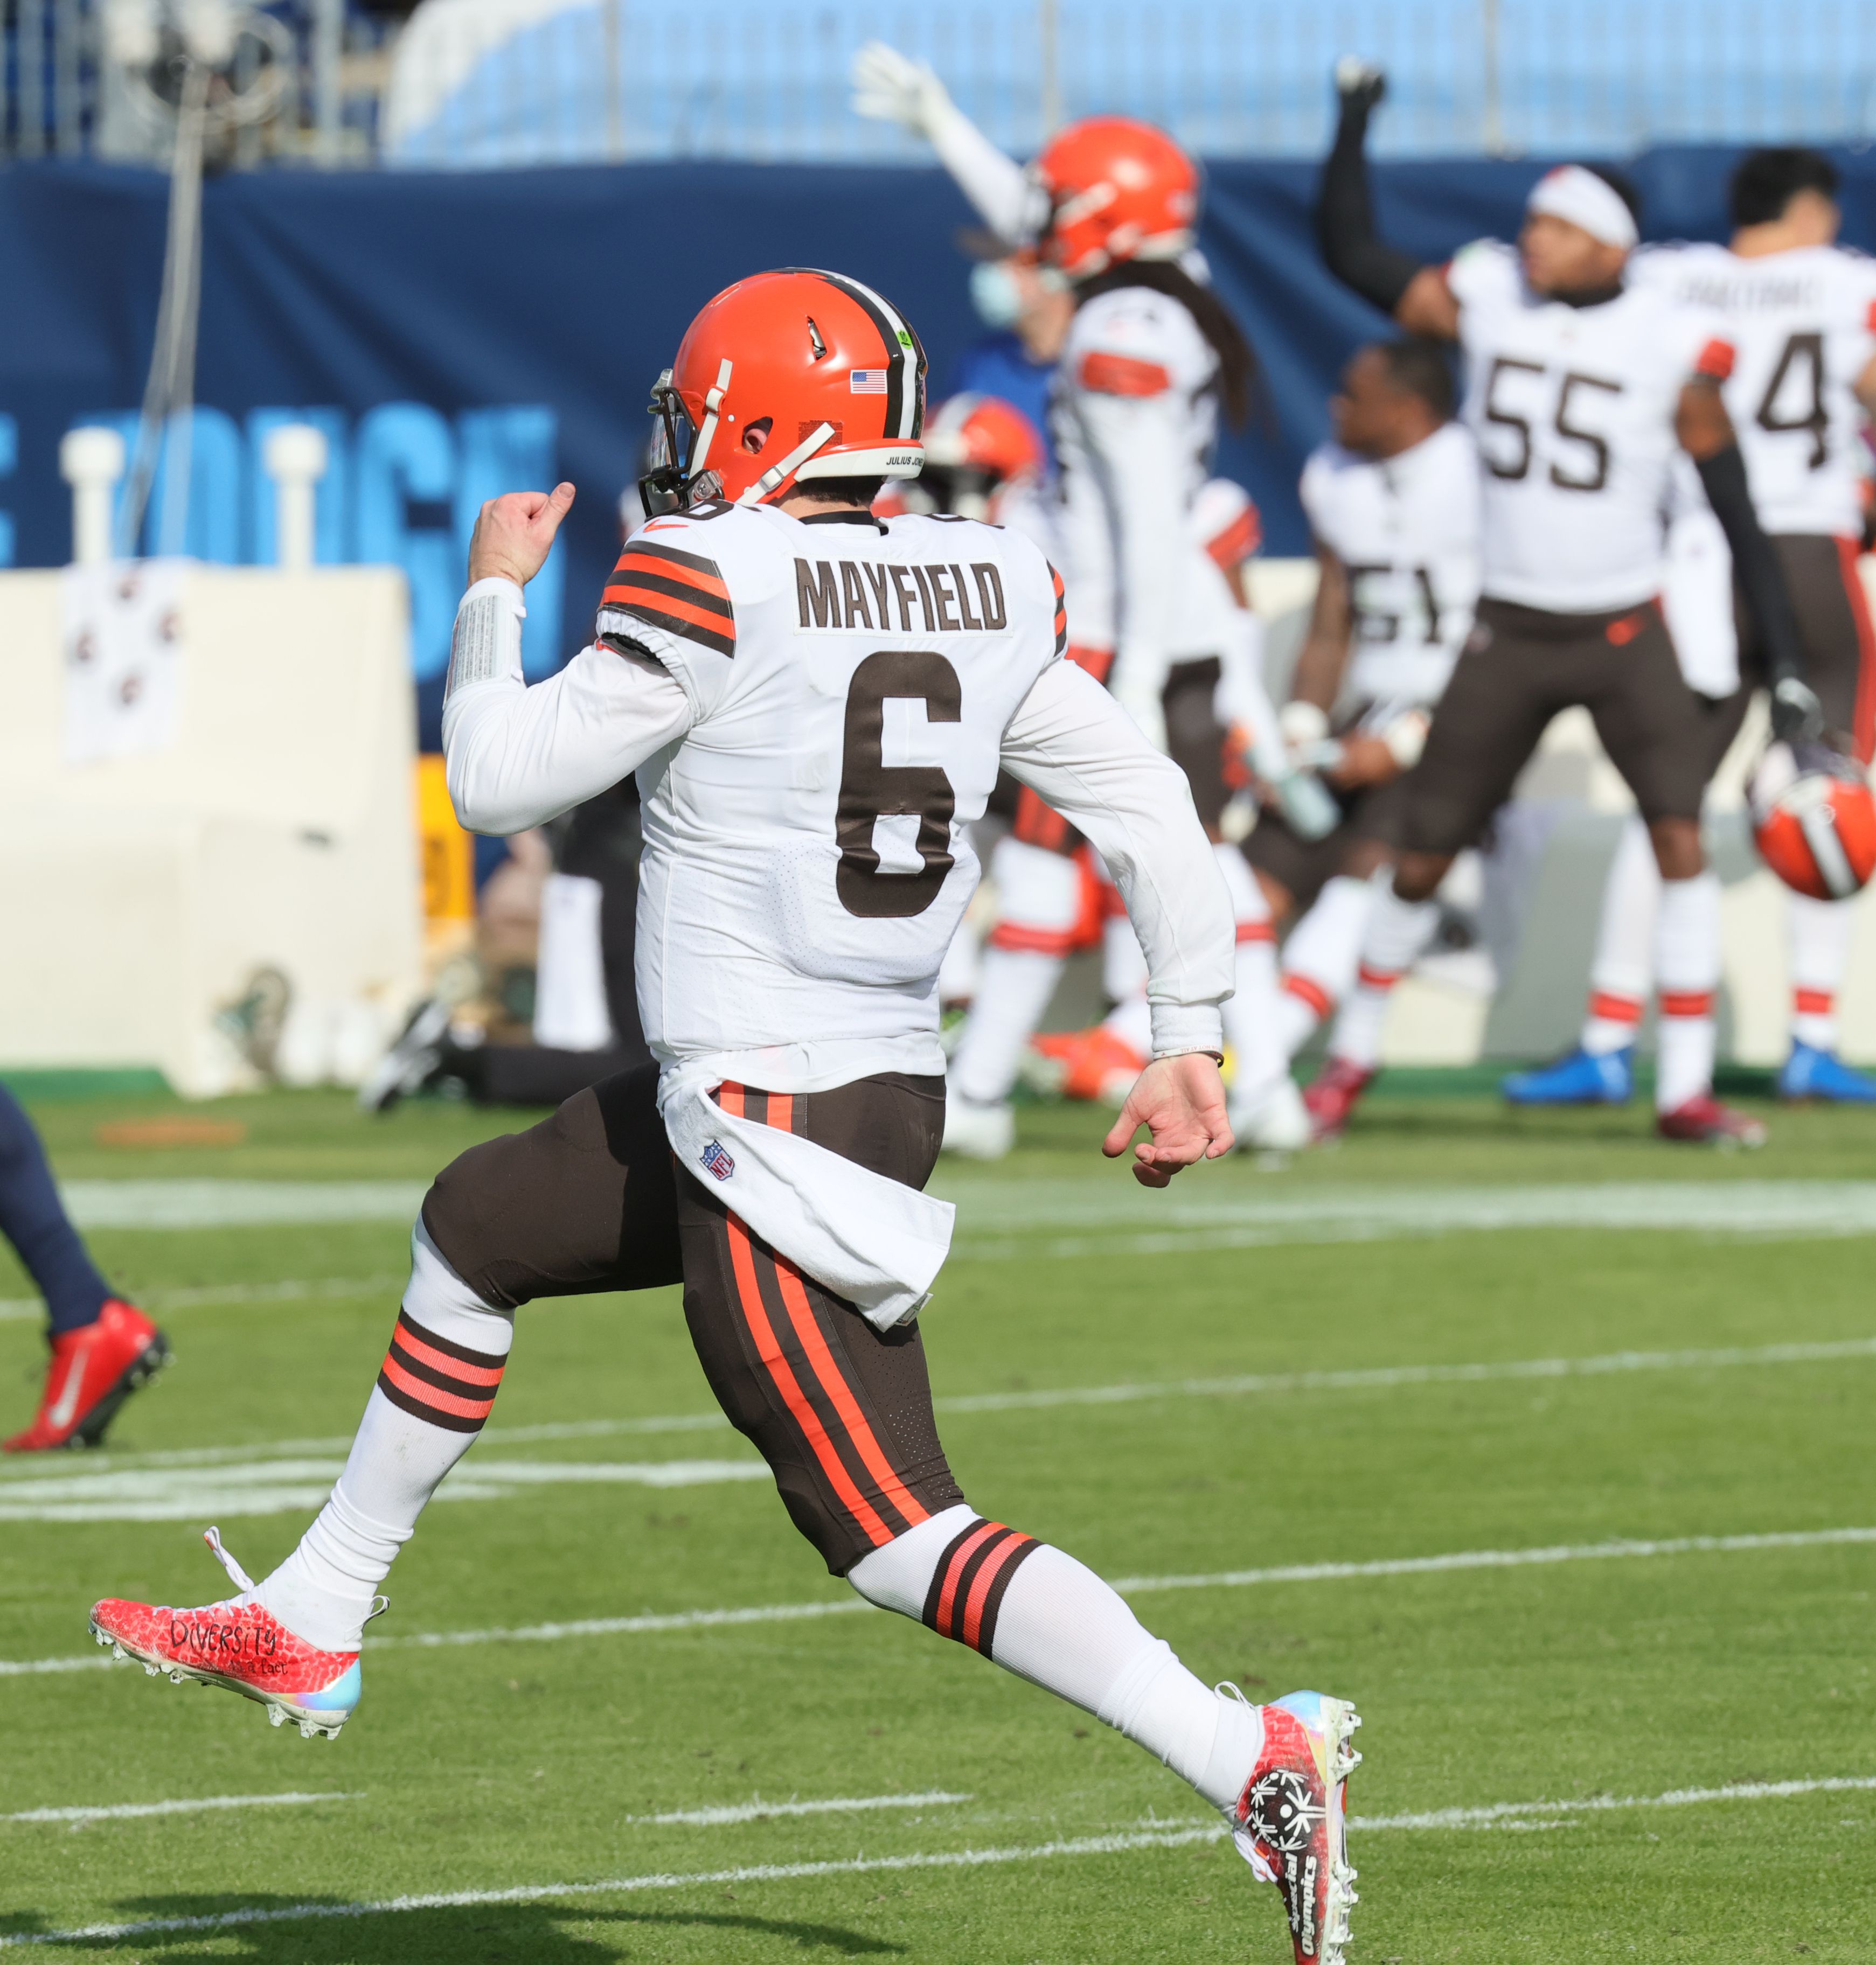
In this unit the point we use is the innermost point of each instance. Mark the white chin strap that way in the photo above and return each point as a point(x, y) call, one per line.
point(713, 402)
point(793, 460)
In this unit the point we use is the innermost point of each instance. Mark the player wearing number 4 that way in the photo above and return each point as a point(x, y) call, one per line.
point(816, 703)
point(1582, 386)
point(1802, 313)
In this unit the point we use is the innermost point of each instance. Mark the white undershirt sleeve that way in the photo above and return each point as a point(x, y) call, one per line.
point(516, 756)
point(1078, 749)
point(996, 185)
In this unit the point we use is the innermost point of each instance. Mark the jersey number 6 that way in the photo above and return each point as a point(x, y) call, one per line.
point(871, 790)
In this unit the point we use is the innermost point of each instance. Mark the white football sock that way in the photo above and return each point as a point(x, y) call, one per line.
point(1038, 903)
point(1038, 1612)
point(1623, 969)
point(446, 1359)
point(1251, 1021)
point(1320, 957)
point(1686, 978)
point(1819, 936)
point(1398, 932)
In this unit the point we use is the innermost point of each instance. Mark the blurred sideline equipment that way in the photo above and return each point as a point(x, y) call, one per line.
point(1813, 821)
point(267, 826)
point(103, 1348)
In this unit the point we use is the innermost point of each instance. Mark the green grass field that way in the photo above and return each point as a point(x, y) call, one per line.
point(1334, 1366)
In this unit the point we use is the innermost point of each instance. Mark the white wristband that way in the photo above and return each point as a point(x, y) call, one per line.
point(486, 643)
point(1180, 1027)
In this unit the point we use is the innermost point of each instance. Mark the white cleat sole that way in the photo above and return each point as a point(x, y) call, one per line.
point(1339, 1720)
point(279, 1710)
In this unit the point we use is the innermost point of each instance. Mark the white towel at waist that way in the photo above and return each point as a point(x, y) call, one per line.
point(876, 1243)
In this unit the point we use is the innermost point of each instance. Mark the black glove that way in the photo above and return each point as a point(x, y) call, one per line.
point(1361, 86)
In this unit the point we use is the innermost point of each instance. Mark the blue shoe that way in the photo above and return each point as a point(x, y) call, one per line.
point(1583, 1078)
point(1811, 1073)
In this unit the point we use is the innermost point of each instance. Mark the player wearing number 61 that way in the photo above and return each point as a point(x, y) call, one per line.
point(817, 703)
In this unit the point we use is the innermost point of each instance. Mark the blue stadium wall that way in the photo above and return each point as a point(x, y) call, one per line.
point(460, 332)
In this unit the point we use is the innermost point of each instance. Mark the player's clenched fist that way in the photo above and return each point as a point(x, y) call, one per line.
point(514, 533)
point(1180, 1100)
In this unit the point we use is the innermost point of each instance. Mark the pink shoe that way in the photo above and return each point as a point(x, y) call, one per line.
point(1331, 1099)
point(1705, 1122)
point(240, 1646)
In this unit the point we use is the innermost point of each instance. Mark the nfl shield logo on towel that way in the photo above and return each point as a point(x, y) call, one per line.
point(716, 1161)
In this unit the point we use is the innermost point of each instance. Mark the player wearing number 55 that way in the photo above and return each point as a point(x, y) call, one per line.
point(817, 703)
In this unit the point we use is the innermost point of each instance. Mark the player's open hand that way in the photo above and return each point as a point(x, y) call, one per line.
point(514, 533)
point(1180, 1100)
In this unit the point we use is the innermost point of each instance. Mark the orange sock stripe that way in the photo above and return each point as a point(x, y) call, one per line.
point(1378, 978)
point(1307, 990)
point(1614, 1009)
point(1021, 941)
point(1687, 1002)
point(432, 1398)
point(954, 1568)
point(742, 1260)
point(1257, 931)
point(991, 1567)
point(413, 1348)
point(1814, 1002)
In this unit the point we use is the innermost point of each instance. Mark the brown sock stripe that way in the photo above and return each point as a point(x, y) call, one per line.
point(968, 1586)
point(446, 1384)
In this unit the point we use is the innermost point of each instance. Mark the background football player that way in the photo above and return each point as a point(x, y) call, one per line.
point(1801, 314)
point(765, 647)
point(1581, 388)
point(1393, 507)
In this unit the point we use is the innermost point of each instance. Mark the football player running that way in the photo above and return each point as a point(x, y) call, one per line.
point(1582, 386)
point(1801, 314)
point(816, 703)
point(1393, 507)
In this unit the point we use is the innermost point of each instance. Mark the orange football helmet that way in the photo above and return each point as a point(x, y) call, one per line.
point(1814, 820)
point(1117, 190)
point(783, 377)
point(975, 444)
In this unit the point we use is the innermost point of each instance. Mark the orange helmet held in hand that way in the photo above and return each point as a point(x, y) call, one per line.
point(1117, 190)
point(1814, 820)
point(974, 445)
point(784, 378)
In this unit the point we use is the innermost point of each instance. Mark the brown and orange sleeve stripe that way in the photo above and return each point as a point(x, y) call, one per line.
point(682, 593)
point(1061, 614)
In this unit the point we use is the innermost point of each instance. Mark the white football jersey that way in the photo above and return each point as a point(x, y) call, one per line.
point(1802, 327)
point(1134, 412)
point(1406, 530)
point(807, 852)
point(1573, 408)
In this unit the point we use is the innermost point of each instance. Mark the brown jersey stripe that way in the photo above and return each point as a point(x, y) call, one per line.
point(676, 557)
point(635, 581)
point(672, 616)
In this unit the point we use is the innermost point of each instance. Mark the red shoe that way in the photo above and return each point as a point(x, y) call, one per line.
point(1095, 1063)
point(1705, 1122)
point(1332, 1098)
point(94, 1370)
point(240, 1646)
point(1289, 1823)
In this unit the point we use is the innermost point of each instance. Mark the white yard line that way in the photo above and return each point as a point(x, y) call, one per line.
point(762, 1811)
point(1512, 1814)
point(1228, 1579)
point(1170, 1837)
point(1379, 1377)
point(132, 1811)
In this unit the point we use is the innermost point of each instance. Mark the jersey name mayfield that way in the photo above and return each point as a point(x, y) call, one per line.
point(1573, 408)
point(1803, 324)
point(807, 853)
point(1406, 530)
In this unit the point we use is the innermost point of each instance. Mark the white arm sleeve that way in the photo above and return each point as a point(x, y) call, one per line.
point(516, 756)
point(1137, 447)
point(994, 184)
point(1075, 748)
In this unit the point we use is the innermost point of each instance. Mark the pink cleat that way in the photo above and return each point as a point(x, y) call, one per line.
point(1332, 1096)
point(1289, 1823)
point(241, 1646)
point(1705, 1122)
